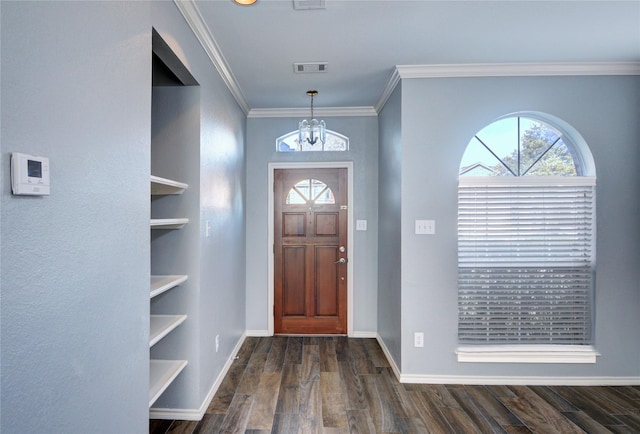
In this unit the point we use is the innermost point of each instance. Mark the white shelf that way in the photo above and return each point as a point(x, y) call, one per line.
point(160, 284)
point(161, 374)
point(168, 223)
point(162, 186)
point(162, 325)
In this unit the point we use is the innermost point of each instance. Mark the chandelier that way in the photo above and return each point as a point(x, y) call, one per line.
point(314, 130)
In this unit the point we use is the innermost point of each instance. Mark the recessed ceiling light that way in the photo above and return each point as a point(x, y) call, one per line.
point(245, 2)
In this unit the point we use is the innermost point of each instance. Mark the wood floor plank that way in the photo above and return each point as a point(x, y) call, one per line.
point(481, 418)
point(289, 395)
point(342, 348)
point(584, 402)
point(237, 416)
point(263, 345)
point(183, 427)
point(633, 422)
point(356, 398)
point(620, 404)
point(310, 407)
point(224, 395)
point(310, 370)
point(585, 422)
point(334, 411)
point(293, 354)
point(210, 423)
point(517, 429)
point(558, 402)
point(244, 354)
point(545, 418)
point(441, 396)
point(264, 402)
point(286, 423)
point(382, 411)
point(360, 422)
point(328, 357)
point(275, 360)
point(492, 406)
point(396, 396)
point(252, 374)
point(375, 353)
point(359, 354)
point(430, 414)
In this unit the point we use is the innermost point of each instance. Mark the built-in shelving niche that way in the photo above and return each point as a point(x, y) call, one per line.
point(175, 132)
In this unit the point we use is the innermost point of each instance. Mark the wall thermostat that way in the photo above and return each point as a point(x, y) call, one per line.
point(29, 174)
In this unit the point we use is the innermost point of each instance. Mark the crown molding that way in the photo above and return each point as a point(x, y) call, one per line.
point(517, 69)
point(195, 21)
point(503, 70)
point(388, 90)
point(319, 112)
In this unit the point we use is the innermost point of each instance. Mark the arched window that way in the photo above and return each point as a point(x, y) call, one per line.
point(310, 191)
point(526, 235)
point(334, 142)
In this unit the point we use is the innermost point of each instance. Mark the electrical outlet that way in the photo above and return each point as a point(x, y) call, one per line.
point(418, 339)
point(217, 342)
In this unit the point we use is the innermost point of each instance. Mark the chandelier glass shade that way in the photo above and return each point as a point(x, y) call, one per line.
point(314, 130)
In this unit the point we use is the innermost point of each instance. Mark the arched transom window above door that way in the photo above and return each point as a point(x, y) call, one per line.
point(310, 191)
point(290, 143)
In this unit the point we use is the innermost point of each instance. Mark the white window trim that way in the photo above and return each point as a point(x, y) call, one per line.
point(527, 354)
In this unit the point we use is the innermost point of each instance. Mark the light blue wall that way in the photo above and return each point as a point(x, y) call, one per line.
point(261, 150)
point(389, 234)
point(76, 87)
point(439, 116)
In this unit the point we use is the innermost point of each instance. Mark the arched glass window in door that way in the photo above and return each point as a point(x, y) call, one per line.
point(310, 191)
point(289, 143)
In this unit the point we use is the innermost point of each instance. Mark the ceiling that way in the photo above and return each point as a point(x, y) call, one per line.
point(363, 41)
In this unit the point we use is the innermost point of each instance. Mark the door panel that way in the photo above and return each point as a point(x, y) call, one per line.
point(310, 251)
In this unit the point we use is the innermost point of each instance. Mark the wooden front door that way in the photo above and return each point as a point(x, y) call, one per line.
point(310, 234)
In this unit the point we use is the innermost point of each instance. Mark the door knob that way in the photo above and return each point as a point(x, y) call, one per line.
point(340, 261)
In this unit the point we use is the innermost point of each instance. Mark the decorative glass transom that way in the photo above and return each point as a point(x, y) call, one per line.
point(310, 191)
point(334, 142)
point(518, 146)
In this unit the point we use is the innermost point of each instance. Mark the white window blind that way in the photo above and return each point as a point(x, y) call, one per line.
point(525, 260)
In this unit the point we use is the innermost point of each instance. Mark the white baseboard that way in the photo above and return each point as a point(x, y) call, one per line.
point(193, 413)
point(367, 335)
point(520, 381)
point(257, 333)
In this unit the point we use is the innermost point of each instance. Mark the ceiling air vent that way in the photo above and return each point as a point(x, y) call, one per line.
point(309, 4)
point(310, 67)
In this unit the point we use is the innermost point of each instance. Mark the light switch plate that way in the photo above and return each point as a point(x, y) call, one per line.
point(361, 225)
point(425, 227)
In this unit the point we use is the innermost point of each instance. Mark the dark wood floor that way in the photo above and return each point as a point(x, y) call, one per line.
point(341, 385)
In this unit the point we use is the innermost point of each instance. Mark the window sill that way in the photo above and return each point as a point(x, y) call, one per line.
point(527, 354)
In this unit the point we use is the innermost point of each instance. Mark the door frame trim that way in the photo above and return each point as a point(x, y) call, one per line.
point(271, 241)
